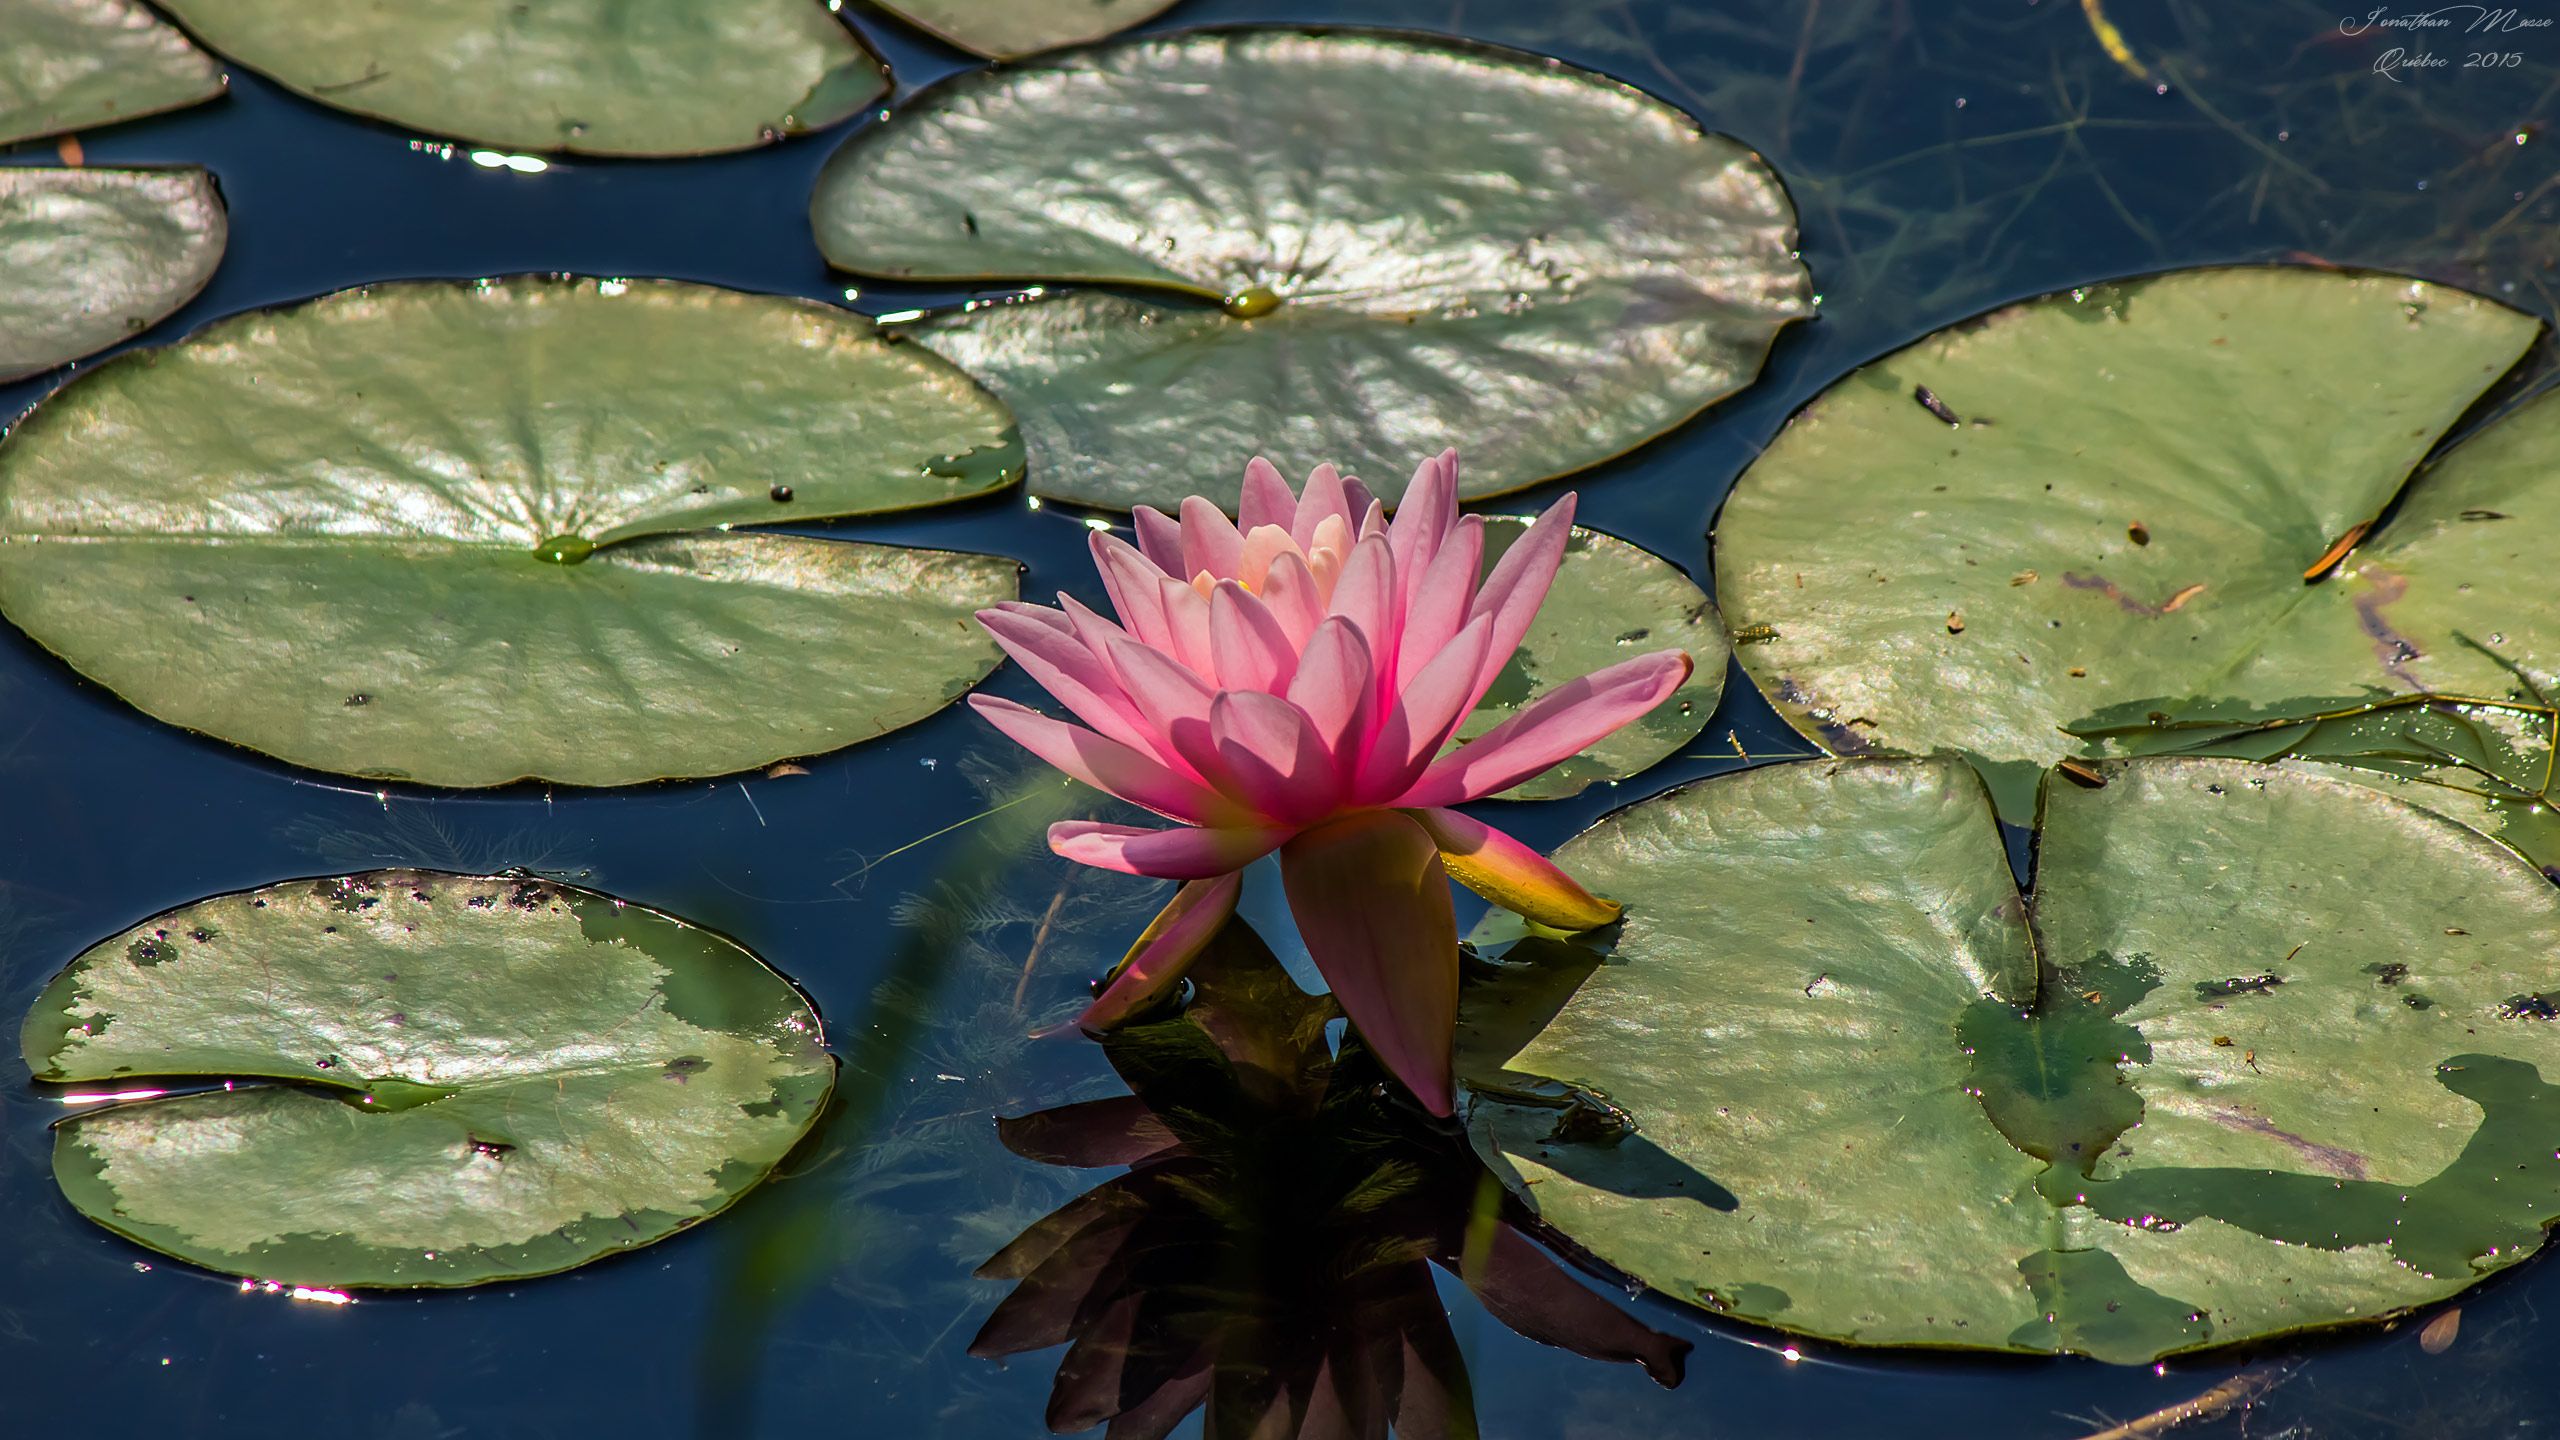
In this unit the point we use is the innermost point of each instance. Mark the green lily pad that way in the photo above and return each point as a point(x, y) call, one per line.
point(1363, 247)
point(2121, 519)
point(489, 1077)
point(2272, 1056)
point(465, 534)
point(72, 64)
point(89, 258)
point(1010, 29)
point(1611, 601)
point(590, 77)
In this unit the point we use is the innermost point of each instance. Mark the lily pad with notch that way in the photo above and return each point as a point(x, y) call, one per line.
point(591, 77)
point(426, 1079)
point(464, 534)
point(92, 258)
point(2151, 497)
point(1348, 246)
point(72, 64)
point(2263, 1056)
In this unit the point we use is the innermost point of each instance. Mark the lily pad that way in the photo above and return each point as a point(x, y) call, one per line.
point(2269, 1053)
point(89, 258)
point(1359, 246)
point(2122, 514)
point(1611, 601)
point(481, 1078)
point(1011, 29)
point(465, 534)
point(72, 64)
point(590, 77)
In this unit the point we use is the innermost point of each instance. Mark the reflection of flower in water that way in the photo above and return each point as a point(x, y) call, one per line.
point(1291, 682)
point(1268, 1255)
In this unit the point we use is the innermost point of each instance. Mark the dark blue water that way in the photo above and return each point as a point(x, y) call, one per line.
point(1945, 157)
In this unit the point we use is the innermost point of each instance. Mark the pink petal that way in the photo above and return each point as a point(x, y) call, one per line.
point(1273, 760)
point(1172, 941)
point(1107, 765)
point(1267, 499)
point(1428, 709)
point(1296, 601)
point(1436, 607)
point(1323, 499)
point(1557, 725)
point(1184, 854)
point(1366, 596)
point(1210, 541)
point(1159, 539)
point(1510, 874)
point(1251, 650)
point(1424, 516)
point(1515, 589)
point(1358, 502)
point(1186, 623)
point(1373, 520)
point(1176, 702)
point(1333, 685)
point(1372, 902)
point(1133, 582)
point(1044, 643)
point(1262, 545)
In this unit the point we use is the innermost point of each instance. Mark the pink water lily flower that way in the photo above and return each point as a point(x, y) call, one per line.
point(1291, 683)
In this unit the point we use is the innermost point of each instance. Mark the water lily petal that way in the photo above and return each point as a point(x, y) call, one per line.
point(1427, 710)
point(1210, 541)
point(1510, 874)
point(1183, 854)
point(1373, 521)
point(1268, 500)
point(1045, 644)
point(1295, 597)
point(1107, 765)
point(1274, 762)
point(1322, 500)
point(1438, 604)
point(1553, 727)
point(1159, 539)
point(1171, 942)
point(1372, 902)
point(1518, 586)
point(1135, 586)
point(1186, 622)
point(1366, 596)
point(1333, 686)
point(1246, 642)
point(1423, 518)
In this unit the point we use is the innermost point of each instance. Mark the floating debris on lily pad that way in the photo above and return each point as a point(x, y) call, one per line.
point(462, 534)
point(424, 1079)
point(1449, 243)
point(2193, 1105)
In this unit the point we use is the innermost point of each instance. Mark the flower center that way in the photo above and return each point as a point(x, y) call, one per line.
point(1323, 555)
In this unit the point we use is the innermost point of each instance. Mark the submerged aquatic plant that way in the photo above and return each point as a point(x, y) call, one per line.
point(1289, 684)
